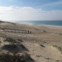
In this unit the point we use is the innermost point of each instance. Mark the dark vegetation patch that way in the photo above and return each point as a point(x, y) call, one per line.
point(15, 58)
point(20, 40)
point(42, 45)
point(44, 31)
point(10, 40)
point(60, 33)
point(14, 48)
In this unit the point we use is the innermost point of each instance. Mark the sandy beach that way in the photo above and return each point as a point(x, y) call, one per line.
point(44, 43)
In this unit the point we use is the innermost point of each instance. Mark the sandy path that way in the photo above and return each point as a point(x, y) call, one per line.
point(47, 53)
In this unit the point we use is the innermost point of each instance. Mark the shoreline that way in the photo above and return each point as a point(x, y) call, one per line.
point(42, 25)
point(32, 24)
point(52, 26)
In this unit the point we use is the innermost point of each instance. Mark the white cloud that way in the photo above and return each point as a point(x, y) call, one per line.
point(28, 13)
point(52, 15)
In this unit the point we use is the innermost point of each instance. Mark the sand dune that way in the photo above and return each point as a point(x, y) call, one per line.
point(44, 44)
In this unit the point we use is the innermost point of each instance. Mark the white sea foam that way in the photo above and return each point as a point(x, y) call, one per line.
point(25, 23)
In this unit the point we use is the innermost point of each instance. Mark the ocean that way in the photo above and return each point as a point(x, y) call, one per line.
point(43, 23)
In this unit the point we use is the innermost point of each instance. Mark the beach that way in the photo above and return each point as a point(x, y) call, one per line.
point(44, 43)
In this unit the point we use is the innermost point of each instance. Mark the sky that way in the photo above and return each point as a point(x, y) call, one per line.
point(19, 10)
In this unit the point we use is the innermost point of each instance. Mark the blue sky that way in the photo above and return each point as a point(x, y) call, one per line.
point(34, 3)
point(38, 7)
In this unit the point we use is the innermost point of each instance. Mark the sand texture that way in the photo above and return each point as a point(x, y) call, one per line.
point(44, 44)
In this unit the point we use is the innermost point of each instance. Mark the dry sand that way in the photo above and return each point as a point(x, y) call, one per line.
point(44, 43)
